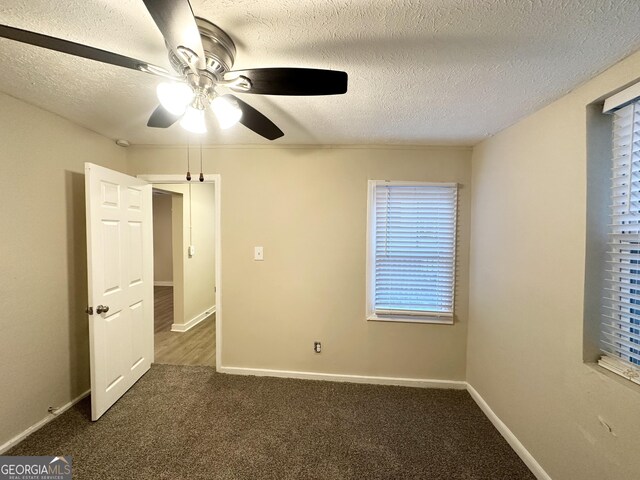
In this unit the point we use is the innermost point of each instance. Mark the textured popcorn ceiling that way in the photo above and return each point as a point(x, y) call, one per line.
point(420, 71)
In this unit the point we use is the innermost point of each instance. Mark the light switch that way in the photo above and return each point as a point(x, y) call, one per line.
point(258, 254)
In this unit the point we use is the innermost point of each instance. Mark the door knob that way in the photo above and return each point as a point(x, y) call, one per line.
point(102, 309)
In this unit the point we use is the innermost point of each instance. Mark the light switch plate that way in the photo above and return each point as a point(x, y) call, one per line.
point(258, 254)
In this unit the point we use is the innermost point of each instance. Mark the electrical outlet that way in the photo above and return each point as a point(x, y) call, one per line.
point(317, 347)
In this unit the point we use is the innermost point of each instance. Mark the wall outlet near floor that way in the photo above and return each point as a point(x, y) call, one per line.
point(258, 254)
point(317, 347)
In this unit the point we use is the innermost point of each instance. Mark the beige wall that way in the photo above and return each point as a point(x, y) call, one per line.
point(525, 352)
point(307, 208)
point(198, 272)
point(43, 287)
point(162, 244)
point(177, 238)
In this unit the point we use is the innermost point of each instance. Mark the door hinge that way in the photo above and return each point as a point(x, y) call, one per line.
point(89, 311)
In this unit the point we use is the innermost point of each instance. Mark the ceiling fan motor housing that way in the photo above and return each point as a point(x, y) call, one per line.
point(219, 50)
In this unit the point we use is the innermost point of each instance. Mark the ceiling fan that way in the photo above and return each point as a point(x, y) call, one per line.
point(202, 56)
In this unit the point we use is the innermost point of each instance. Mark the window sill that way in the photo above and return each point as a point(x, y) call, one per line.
point(438, 320)
point(612, 376)
point(620, 369)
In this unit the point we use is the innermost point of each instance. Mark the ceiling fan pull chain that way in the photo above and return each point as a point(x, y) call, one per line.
point(201, 174)
point(188, 165)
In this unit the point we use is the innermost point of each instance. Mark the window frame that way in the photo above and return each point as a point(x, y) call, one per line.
point(430, 317)
point(611, 360)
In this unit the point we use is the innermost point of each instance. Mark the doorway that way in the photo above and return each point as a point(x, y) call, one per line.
point(119, 219)
point(162, 260)
point(185, 264)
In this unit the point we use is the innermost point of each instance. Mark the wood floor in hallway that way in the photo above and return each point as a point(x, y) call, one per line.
point(196, 346)
point(162, 308)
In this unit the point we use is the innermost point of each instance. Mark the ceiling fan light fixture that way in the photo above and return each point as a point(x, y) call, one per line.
point(202, 56)
point(174, 97)
point(193, 121)
point(227, 111)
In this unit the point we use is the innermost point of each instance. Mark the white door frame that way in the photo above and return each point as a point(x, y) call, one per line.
point(216, 180)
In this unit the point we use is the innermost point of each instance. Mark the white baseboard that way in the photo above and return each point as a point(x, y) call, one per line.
point(183, 327)
point(163, 283)
point(508, 435)
point(37, 426)
point(336, 377)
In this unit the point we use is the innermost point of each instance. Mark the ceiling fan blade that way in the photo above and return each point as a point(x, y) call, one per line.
point(79, 50)
point(162, 118)
point(177, 24)
point(294, 81)
point(256, 121)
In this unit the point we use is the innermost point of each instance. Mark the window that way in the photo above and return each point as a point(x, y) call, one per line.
point(620, 326)
point(411, 248)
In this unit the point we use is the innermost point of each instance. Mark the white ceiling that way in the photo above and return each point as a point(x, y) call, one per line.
point(420, 71)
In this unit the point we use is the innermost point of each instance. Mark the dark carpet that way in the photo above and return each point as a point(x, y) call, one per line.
point(192, 423)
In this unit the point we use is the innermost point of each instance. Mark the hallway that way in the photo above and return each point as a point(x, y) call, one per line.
point(193, 347)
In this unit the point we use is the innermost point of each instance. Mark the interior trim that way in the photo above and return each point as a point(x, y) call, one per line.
point(183, 327)
point(38, 425)
point(337, 377)
point(509, 436)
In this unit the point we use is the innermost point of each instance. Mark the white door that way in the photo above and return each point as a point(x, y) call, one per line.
point(120, 268)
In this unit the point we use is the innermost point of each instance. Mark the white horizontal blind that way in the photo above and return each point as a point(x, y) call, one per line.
point(414, 236)
point(620, 332)
point(621, 99)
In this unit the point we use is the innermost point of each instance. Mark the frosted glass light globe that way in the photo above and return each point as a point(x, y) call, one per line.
point(227, 111)
point(193, 121)
point(174, 97)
